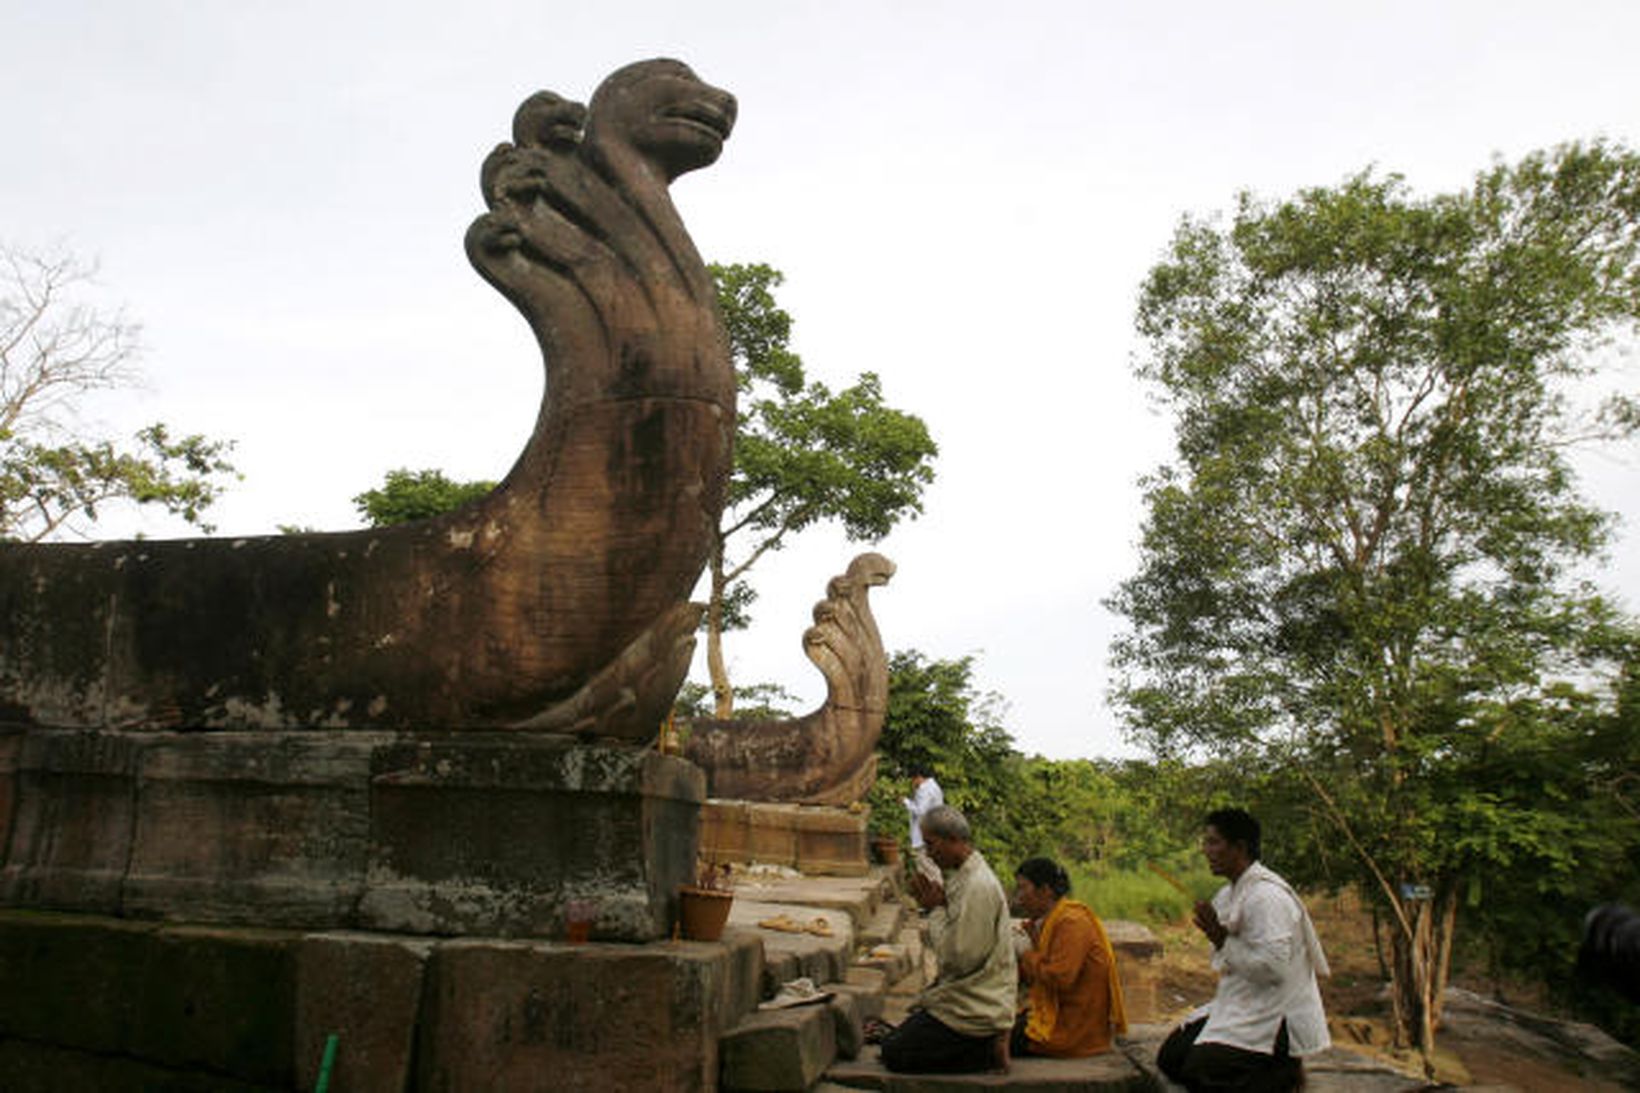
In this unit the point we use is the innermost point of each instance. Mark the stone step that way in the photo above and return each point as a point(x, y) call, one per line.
point(885, 924)
point(786, 955)
point(1336, 1070)
point(856, 897)
point(1131, 1067)
point(1110, 1073)
point(776, 1051)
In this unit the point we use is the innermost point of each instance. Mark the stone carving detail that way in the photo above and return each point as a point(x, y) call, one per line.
point(827, 757)
point(556, 603)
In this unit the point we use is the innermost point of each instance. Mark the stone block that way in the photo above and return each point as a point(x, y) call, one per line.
point(73, 980)
point(855, 897)
point(220, 999)
point(743, 988)
point(847, 1014)
point(816, 840)
point(493, 833)
point(867, 978)
point(832, 841)
point(1109, 1073)
point(884, 925)
point(366, 989)
point(191, 999)
point(773, 1051)
point(1137, 951)
point(45, 1068)
point(532, 1015)
point(747, 831)
point(72, 821)
point(868, 998)
point(269, 829)
point(11, 748)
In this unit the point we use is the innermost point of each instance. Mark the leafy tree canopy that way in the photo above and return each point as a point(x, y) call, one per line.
point(415, 495)
point(56, 349)
point(804, 454)
point(1363, 567)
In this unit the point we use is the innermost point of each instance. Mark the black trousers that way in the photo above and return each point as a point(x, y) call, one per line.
point(925, 1045)
point(1220, 1068)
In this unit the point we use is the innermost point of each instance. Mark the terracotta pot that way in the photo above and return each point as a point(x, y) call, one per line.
point(887, 850)
point(703, 911)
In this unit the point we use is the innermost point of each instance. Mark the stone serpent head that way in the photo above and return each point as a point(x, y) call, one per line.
point(662, 111)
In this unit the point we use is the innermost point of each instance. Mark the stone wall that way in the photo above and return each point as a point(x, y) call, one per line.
point(92, 1002)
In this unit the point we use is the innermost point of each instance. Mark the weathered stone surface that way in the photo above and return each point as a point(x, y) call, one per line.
point(885, 924)
point(1133, 939)
point(773, 1051)
point(460, 833)
point(494, 834)
point(1108, 1073)
point(143, 1006)
point(367, 990)
point(44, 1068)
point(819, 840)
point(827, 757)
point(191, 999)
point(201, 1011)
point(73, 980)
point(1137, 962)
point(263, 828)
point(11, 747)
point(533, 1015)
point(855, 897)
point(847, 1013)
point(745, 984)
point(819, 957)
point(556, 603)
point(870, 979)
point(73, 821)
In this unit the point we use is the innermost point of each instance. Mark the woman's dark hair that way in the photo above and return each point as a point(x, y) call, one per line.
point(1044, 873)
point(1237, 826)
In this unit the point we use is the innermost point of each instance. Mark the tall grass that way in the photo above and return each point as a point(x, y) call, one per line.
point(1139, 895)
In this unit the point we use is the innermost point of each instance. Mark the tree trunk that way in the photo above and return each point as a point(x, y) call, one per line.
point(1419, 968)
point(723, 696)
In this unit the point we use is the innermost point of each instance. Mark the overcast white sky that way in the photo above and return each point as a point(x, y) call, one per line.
point(964, 198)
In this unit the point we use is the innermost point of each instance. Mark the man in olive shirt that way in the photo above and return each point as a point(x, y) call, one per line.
point(963, 1015)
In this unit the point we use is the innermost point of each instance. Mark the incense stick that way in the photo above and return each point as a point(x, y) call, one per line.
point(1178, 885)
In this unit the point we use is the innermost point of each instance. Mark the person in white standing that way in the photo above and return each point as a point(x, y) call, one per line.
point(926, 795)
point(1267, 1012)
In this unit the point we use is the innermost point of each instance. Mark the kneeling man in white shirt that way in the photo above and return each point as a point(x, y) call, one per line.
point(1267, 1011)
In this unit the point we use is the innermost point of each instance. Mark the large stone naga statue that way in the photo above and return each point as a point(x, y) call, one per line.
point(556, 603)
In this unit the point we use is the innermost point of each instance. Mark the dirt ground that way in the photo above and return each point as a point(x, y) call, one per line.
point(1474, 1047)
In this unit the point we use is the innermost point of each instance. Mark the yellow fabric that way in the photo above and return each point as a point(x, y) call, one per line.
point(1076, 994)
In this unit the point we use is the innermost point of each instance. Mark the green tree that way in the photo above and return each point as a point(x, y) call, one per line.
point(803, 455)
point(415, 495)
point(936, 717)
point(56, 349)
point(1361, 570)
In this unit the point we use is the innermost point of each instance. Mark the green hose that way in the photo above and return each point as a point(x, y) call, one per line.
point(326, 1064)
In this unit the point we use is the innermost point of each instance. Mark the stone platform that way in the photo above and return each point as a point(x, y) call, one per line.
point(815, 840)
point(99, 1003)
point(485, 834)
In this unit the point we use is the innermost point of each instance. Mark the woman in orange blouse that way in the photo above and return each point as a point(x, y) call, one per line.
point(1075, 995)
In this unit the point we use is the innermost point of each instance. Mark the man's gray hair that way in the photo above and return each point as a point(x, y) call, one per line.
point(947, 823)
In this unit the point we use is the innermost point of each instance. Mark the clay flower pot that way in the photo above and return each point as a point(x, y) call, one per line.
point(703, 911)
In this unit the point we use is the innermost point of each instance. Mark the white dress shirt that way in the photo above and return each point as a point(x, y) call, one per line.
point(1267, 968)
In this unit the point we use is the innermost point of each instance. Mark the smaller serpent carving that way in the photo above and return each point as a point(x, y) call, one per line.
point(827, 757)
